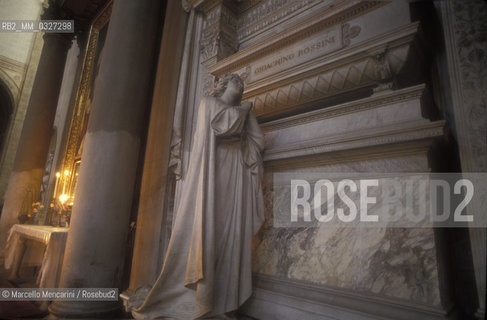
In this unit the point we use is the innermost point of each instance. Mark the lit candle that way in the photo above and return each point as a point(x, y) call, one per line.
point(66, 173)
point(63, 198)
point(55, 186)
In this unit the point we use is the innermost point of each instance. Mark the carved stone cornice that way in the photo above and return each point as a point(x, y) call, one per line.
point(376, 101)
point(382, 119)
point(310, 27)
point(391, 135)
point(262, 14)
point(203, 5)
point(302, 83)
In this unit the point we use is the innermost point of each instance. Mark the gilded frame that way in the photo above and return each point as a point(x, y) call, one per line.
point(79, 119)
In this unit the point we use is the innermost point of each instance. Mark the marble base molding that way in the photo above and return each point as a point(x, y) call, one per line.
point(396, 116)
point(277, 298)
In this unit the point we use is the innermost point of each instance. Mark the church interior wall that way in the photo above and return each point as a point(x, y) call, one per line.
point(19, 56)
point(368, 269)
point(352, 88)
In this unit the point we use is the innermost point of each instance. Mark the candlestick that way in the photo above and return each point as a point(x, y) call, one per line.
point(55, 186)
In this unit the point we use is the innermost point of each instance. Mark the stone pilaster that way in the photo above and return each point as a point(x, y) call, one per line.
point(465, 25)
point(219, 36)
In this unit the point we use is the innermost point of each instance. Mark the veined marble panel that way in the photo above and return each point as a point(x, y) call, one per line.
point(390, 262)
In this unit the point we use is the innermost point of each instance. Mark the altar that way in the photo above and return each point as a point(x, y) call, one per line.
point(54, 238)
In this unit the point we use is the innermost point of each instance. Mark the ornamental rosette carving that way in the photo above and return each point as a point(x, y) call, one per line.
point(349, 33)
point(209, 45)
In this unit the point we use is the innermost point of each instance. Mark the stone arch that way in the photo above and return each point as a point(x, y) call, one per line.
point(9, 95)
point(7, 105)
point(10, 85)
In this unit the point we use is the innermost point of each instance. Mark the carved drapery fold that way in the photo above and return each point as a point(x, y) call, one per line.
point(175, 160)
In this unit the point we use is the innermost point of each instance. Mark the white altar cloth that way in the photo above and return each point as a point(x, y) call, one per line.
point(55, 240)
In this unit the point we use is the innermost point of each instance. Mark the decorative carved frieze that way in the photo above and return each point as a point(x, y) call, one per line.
point(219, 36)
point(299, 52)
point(243, 6)
point(267, 13)
point(320, 23)
point(367, 71)
point(209, 82)
point(216, 45)
point(321, 65)
point(226, 22)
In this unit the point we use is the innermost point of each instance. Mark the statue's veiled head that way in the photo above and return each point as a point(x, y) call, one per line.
point(222, 84)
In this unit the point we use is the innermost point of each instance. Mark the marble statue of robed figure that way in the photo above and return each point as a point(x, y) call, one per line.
point(207, 268)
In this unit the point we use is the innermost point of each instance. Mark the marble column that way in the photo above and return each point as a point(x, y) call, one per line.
point(34, 142)
point(95, 247)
